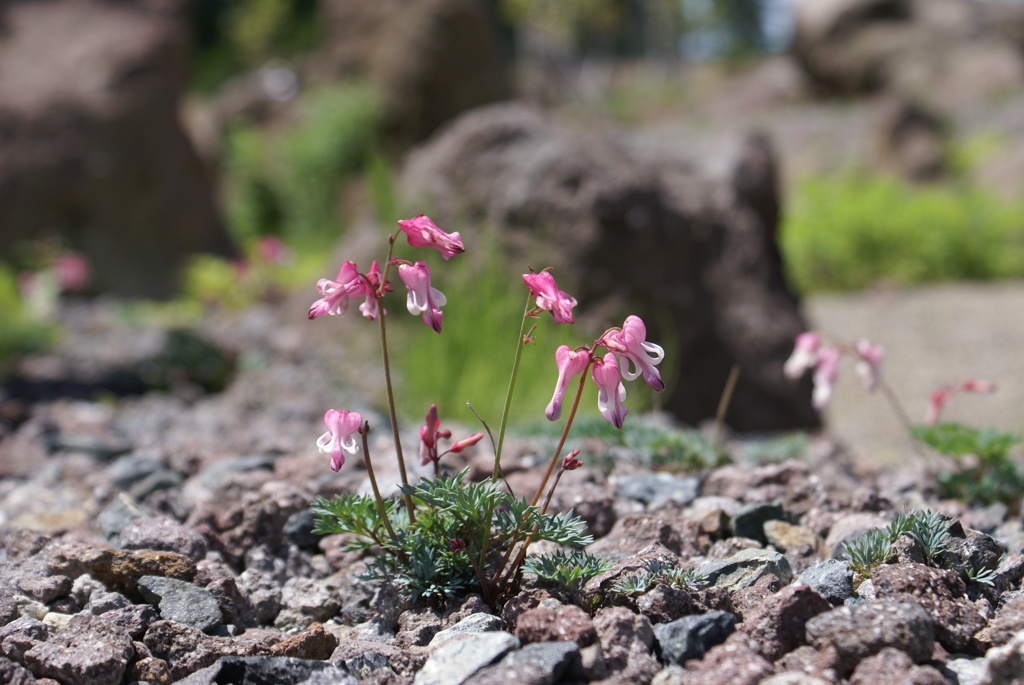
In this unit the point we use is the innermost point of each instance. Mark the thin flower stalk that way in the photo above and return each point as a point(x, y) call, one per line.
point(364, 431)
point(524, 337)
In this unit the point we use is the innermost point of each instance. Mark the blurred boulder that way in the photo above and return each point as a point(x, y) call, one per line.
point(911, 140)
point(633, 229)
point(431, 59)
point(943, 51)
point(91, 146)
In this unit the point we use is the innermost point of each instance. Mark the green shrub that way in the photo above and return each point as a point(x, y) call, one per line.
point(984, 471)
point(288, 184)
point(853, 231)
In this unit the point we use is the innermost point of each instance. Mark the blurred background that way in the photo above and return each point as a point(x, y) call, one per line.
point(740, 170)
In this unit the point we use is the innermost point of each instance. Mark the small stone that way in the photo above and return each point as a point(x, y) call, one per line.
point(134, 619)
point(88, 651)
point(307, 600)
point(778, 625)
point(540, 663)
point(749, 521)
point(664, 603)
point(120, 570)
point(163, 533)
point(455, 661)
point(940, 592)
point(831, 578)
point(734, 662)
point(862, 631)
point(315, 643)
point(280, 670)
point(474, 623)
point(691, 637)
point(792, 540)
point(564, 624)
point(45, 589)
point(56, 621)
point(102, 601)
point(21, 635)
point(893, 667)
point(180, 601)
point(655, 489)
point(298, 530)
point(626, 639)
point(744, 568)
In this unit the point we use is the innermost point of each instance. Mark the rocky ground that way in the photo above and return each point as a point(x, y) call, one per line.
point(165, 537)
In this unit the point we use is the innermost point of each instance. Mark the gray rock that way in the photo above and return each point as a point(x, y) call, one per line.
point(540, 663)
point(744, 568)
point(88, 651)
point(862, 631)
point(474, 623)
point(261, 670)
point(298, 530)
point(118, 514)
point(161, 479)
point(691, 636)
point(202, 485)
point(181, 601)
point(134, 619)
point(21, 635)
point(131, 468)
point(749, 521)
point(8, 605)
point(305, 600)
point(454, 662)
point(831, 578)
point(101, 601)
point(654, 489)
point(12, 673)
point(264, 591)
point(163, 533)
point(375, 630)
point(361, 666)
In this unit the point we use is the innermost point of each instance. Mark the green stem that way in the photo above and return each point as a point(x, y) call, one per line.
point(394, 416)
point(363, 432)
point(511, 388)
point(565, 435)
point(551, 491)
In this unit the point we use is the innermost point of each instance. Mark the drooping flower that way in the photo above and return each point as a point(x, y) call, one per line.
point(374, 287)
point(977, 385)
point(336, 294)
point(869, 362)
point(570, 462)
point(630, 342)
point(825, 374)
point(611, 392)
point(423, 299)
point(422, 232)
point(570, 363)
point(805, 354)
point(543, 287)
point(340, 436)
point(935, 405)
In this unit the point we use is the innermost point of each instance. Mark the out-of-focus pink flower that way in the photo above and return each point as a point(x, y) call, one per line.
point(825, 374)
point(422, 232)
point(543, 287)
point(869, 362)
point(611, 392)
point(570, 462)
point(72, 271)
point(938, 401)
point(340, 436)
point(805, 354)
point(336, 294)
point(977, 385)
point(570, 364)
point(272, 250)
point(630, 342)
point(423, 299)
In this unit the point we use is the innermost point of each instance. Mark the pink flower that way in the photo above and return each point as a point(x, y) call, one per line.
point(340, 436)
point(422, 232)
point(825, 374)
point(611, 392)
point(549, 297)
point(805, 354)
point(423, 299)
point(570, 364)
point(466, 442)
point(938, 401)
point(371, 307)
point(630, 342)
point(272, 250)
point(72, 270)
point(869, 362)
point(570, 462)
point(336, 294)
point(977, 385)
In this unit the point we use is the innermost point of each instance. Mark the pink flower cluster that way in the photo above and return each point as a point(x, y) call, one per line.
point(810, 352)
point(638, 358)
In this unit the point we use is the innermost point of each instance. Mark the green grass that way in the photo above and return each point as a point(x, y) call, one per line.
point(20, 333)
point(852, 231)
